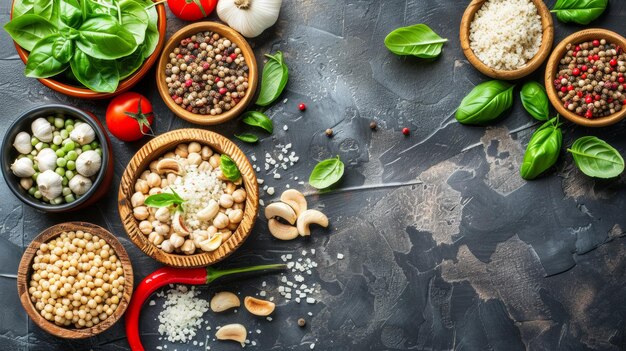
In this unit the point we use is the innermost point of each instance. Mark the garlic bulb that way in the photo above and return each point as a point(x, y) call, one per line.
point(46, 160)
point(23, 167)
point(79, 184)
point(22, 143)
point(50, 184)
point(249, 17)
point(83, 134)
point(88, 163)
point(42, 129)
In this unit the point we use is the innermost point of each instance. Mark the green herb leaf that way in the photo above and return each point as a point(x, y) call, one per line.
point(596, 158)
point(258, 119)
point(129, 64)
point(543, 150)
point(485, 103)
point(70, 13)
point(102, 37)
point(535, 100)
point(326, 173)
point(43, 8)
point(62, 49)
point(97, 75)
point(41, 63)
point(135, 19)
point(164, 200)
point(579, 11)
point(274, 79)
point(152, 33)
point(416, 40)
point(229, 168)
point(247, 137)
point(23, 7)
point(29, 29)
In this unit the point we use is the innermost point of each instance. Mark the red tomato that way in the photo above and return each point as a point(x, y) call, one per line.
point(191, 10)
point(129, 116)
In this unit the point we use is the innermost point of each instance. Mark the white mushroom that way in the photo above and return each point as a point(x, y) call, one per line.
point(211, 244)
point(50, 184)
point(235, 332)
point(22, 143)
point(223, 301)
point(295, 199)
point(258, 307)
point(282, 231)
point(282, 210)
point(309, 217)
point(23, 167)
point(79, 184)
point(178, 224)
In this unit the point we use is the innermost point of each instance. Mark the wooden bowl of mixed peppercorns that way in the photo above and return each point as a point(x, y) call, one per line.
point(207, 73)
point(586, 78)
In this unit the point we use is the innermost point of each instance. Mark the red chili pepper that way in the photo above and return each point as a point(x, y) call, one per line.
point(170, 275)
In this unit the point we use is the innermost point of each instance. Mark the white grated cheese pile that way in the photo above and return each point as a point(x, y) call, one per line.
point(182, 314)
point(506, 34)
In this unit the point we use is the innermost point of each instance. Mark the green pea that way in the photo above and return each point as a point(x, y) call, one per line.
point(45, 146)
point(32, 190)
point(99, 151)
point(86, 147)
point(39, 146)
point(94, 145)
point(55, 133)
point(60, 153)
point(72, 155)
point(70, 198)
point(36, 167)
point(61, 162)
point(57, 140)
point(69, 122)
point(69, 174)
point(66, 191)
point(54, 147)
point(35, 175)
point(31, 157)
point(34, 141)
point(34, 152)
point(70, 145)
point(60, 171)
point(50, 119)
point(37, 194)
point(65, 181)
point(70, 165)
point(64, 134)
point(59, 122)
point(69, 128)
point(57, 201)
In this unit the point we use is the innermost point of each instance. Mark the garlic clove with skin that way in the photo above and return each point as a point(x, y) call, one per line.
point(50, 184)
point(83, 134)
point(22, 143)
point(79, 184)
point(249, 17)
point(23, 167)
point(42, 129)
point(88, 163)
point(46, 160)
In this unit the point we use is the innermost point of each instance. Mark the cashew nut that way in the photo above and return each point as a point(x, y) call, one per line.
point(209, 212)
point(178, 223)
point(258, 307)
point(282, 210)
point(295, 199)
point(221, 221)
point(235, 332)
point(169, 165)
point(282, 231)
point(163, 214)
point(223, 301)
point(309, 217)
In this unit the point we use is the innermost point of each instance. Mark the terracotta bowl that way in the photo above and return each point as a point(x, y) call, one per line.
point(84, 93)
point(234, 37)
point(25, 270)
point(103, 180)
point(553, 66)
point(156, 148)
point(531, 66)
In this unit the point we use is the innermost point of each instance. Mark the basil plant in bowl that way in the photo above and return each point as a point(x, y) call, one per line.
point(91, 43)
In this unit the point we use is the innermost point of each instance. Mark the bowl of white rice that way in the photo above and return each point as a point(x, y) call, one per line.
point(507, 39)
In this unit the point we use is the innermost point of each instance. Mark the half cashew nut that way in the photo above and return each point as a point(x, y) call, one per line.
point(282, 210)
point(169, 165)
point(282, 231)
point(235, 332)
point(223, 301)
point(258, 307)
point(309, 217)
point(295, 199)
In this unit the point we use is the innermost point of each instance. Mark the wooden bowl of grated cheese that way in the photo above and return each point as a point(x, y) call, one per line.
point(496, 19)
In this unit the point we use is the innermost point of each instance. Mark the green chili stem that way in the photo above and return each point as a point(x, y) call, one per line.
point(214, 273)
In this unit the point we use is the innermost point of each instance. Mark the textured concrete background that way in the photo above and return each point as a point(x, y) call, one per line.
point(445, 246)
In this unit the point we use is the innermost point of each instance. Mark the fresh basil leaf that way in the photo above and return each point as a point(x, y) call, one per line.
point(28, 29)
point(44, 8)
point(485, 103)
point(247, 137)
point(229, 168)
point(135, 19)
point(416, 40)
point(543, 150)
point(274, 79)
point(102, 37)
point(71, 13)
point(98, 75)
point(163, 200)
point(258, 119)
point(23, 7)
point(326, 173)
point(62, 49)
point(596, 158)
point(41, 63)
point(579, 11)
point(152, 32)
point(128, 65)
point(535, 100)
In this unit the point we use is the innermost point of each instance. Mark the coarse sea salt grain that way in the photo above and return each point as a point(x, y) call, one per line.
point(182, 314)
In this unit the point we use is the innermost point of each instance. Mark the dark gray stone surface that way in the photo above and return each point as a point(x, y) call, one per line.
point(445, 246)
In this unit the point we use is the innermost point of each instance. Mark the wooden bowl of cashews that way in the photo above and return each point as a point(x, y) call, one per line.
point(179, 206)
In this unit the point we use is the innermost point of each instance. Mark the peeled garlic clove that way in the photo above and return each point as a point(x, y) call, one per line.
point(88, 163)
point(258, 307)
point(178, 223)
point(211, 244)
point(22, 143)
point(79, 184)
point(83, 134)
point(49, 184)
point(235, 332)
point(23, 167)
point(223, 301)
point(42, 129)
point(46, 160)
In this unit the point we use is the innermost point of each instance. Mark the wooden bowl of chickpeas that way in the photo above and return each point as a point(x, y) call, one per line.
point(75, 280)
point(179, 202)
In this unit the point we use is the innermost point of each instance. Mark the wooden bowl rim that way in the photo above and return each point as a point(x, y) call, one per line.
point(124, 85)
point(156, 148)
point(553, 63)
point(531, 66)
point(25, 270)
point(232, 35)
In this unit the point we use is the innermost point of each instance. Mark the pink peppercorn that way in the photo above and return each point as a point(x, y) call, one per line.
point(406, 131)
point(188, 82)
point(223, 91)
point(302, 107)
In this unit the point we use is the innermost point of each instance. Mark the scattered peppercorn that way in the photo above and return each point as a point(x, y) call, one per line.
point(207, 74)
point(373, 125)
point(590, 79)
point(301, 322)
point(302, 107)
point(406, 131)
point(329, 132)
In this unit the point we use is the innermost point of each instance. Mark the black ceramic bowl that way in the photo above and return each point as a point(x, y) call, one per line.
point(103, 180)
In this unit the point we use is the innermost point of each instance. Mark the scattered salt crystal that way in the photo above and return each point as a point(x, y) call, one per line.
point(312, 346)
point(152, 303)
point(269, 319)
point(310, 314)
point(258, 331)
point(310, 300)
point(253, 158)
point(288, 295)
point(285, 127)
point(270, 190)
point(260, 181)
point(340, 256)
point(262, 293)
point(261, 202)
point(285, 101)
point(276, 175)
point(297, 299)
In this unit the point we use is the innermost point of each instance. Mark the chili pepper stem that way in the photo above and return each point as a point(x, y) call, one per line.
point(213, 273)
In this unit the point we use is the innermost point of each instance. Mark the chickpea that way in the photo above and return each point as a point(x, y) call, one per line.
point(188, 247)
point(206, 152)
point(145, 227)
point(239, 195)
point(194, 147)
point(153, 179)
point(214, 161)
point(155, 190)
point(194, 158)
point(155, 238)
point(182, 150)
point(221, 221)
point(235, 216)
point(142, 186)
point(226, 200)
point(140, 212)
point(162, 229)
